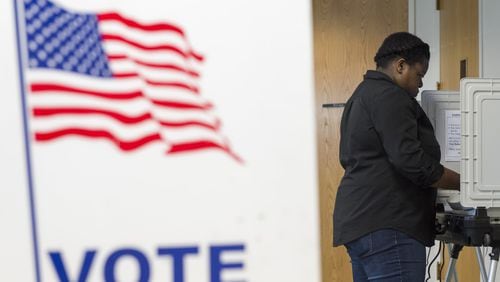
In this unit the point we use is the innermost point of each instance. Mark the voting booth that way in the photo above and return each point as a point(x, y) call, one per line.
point(468, 132)
point(443, 110)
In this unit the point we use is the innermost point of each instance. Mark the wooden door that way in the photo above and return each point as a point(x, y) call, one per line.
point(347, 34)
point(459, 37)
point(459, 43)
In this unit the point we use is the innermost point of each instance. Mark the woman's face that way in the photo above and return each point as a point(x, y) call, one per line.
point(410, 76)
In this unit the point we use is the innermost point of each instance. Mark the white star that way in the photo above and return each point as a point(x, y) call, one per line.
point(34, 9)
point(73, 61)
point(59, 21)
point(82, 69)
point(49, 47)
point(59, 58)
point(44, 16)
point(65, 50)
point(86, 64)
point(33, 62)
point(32, 45)
point(61, 35)
point(46, 32)
point(39, 39)
point(30, 29)
point(37, 23)
point(51, 63)
point(56, 42)
point(42, 55)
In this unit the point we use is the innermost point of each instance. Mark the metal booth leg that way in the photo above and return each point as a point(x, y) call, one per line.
point(480, 261)
point(495, 253)
point(455, 251)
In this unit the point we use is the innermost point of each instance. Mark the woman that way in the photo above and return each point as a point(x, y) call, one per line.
point(384, 212)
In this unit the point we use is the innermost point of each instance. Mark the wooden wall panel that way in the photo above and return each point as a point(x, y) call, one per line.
point(459, 40)
point(347, 34)
point(459, 36)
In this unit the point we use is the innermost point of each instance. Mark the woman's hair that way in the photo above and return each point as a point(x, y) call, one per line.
point(402, 45)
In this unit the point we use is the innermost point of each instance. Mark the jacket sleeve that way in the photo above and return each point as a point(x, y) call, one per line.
point(394, 116)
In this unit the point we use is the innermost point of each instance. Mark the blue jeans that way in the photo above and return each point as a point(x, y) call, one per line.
point(387, 255)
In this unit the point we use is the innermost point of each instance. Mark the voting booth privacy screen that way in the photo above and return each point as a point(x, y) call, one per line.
point(443, 110)
point(157, 141)
point(468, 131)
point(480, 177)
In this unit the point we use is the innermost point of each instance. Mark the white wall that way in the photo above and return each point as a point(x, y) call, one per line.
point(424, 22)
point(489, 57)
point(489, 38)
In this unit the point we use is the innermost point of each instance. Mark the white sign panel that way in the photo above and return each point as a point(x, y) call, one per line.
point(453, 136)
point(163, 140)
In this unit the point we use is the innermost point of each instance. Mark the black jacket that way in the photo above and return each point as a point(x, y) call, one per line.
point(391, 157)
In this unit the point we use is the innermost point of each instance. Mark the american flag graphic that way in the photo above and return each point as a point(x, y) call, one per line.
point(110, 77)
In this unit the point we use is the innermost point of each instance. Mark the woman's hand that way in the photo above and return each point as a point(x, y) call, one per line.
point(449, 180)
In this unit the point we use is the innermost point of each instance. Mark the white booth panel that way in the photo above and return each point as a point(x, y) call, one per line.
point(441, 107)
point(443, 110)
point(480, 177)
